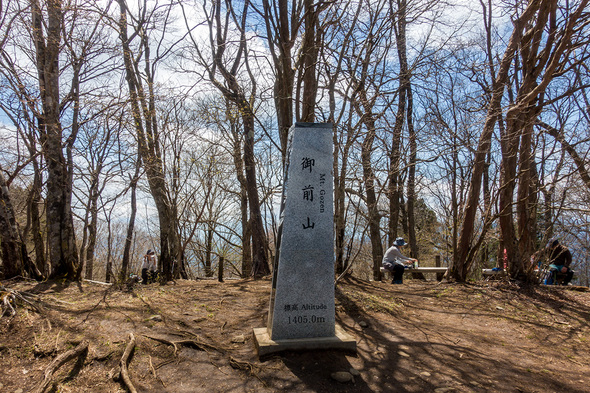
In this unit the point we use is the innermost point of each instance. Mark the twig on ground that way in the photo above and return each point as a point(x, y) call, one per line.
point(80, 350)
point(57, 340)
point(124, 361)
point(104, 299)
point(153, 370)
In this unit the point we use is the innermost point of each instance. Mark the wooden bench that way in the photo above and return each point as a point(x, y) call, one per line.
point(416, 272)
point(491, 274)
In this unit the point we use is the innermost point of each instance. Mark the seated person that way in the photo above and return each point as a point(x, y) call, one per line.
point(395, 262)
point(148, 268)
point(560, 259)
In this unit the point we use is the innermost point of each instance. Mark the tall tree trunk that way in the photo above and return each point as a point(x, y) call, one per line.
point(235, 93)
point(374, 217)
point(509, 143)
point(208, 251)
point(246, 230)
point(412, 176)
point(220, 263)
point(395, 188)
point(283, 27)
point(487, 20)
point(526, 203)
point(92, 225)
point(394, 192)
point(60, 227)
point(260, 266)
point(343, 137)
point(109, 265)
point(13, 250)
point(34, 202)
point(309, 57)
point(131, 224)
point(9, 239)
point(340, 196)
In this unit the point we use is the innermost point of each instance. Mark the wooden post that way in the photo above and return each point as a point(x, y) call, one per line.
point(220, 269)
point(437, 263)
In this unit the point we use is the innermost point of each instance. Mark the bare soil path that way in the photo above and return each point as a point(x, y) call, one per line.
point(196, 336)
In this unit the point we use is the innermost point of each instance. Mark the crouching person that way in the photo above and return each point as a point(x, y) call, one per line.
point(560, 259)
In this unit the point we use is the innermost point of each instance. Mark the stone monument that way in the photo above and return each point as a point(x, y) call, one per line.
point(302, 311)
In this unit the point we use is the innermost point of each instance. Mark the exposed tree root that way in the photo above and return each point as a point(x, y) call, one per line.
point(125, 361)
point(196, 343)
point(241, 365)
point(79, 352)
point(9, 298)
point(251, 368)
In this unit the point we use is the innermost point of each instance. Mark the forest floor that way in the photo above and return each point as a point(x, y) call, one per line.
point(416, 337)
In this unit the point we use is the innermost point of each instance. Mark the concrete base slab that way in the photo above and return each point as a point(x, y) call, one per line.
point(266, 346)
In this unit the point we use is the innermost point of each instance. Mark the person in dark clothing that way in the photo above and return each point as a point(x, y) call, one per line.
point(560, 259)
point(148, 268)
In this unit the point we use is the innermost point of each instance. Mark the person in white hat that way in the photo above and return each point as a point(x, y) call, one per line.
point(395, 262)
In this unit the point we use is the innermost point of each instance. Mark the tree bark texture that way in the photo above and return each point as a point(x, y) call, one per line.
point(9, 239)
point(395, 188)
point(13, 250)
point(310, 50)
point(412, 178)
point(374, 217)
point(208, 251)
point(63, 254)
point(246, 230)
point(282, 29)
point(131, 224)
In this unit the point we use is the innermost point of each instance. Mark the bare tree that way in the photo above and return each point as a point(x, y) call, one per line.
point(283, 22)
point(47, 34)
point(143, 104)
point(370, 76)
point(340, 22)
point(15, 258)
point(550, 54)
point(228, 68)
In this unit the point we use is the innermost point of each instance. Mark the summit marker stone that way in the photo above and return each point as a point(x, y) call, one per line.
point(302, 309)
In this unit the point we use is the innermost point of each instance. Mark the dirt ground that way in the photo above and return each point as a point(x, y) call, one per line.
point(416, 337)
